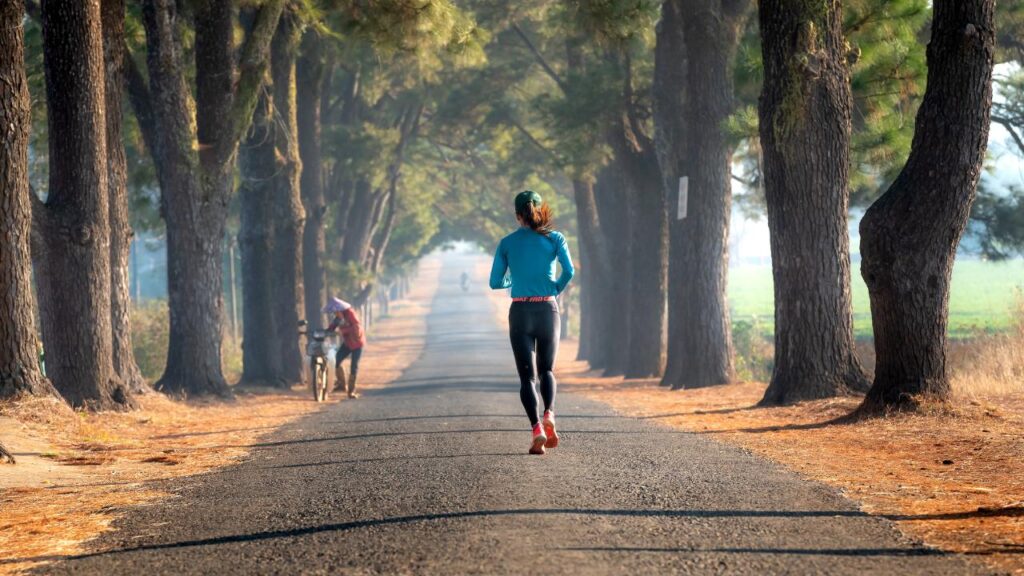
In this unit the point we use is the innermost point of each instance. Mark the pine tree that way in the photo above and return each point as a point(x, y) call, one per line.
point(909, 236)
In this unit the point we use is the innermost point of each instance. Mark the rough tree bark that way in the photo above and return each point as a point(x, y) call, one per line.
point(19, 360)
point(121, 233)
point(194, 157)
point(310, 74)
point(74, 268)
point(289, 217)
point(909, 236)
point(703, 332)
point(614, 300)
point(261, 364)
point(649, 255)
point(584, 348)
point(596, 326)
point(669, 106)
point(648, 240)
point(805, 133)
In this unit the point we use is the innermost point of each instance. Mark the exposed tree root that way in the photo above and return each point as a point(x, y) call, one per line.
point(6, 456)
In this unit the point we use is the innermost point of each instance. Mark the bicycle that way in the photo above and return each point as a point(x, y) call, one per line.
point(318, 350)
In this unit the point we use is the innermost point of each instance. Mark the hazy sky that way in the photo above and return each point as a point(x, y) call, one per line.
point(750, 237)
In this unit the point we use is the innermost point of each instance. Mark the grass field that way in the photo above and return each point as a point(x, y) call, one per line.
point(984, 297)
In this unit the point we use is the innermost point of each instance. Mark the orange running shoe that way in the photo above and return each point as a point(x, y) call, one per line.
point(549, 430)
point(539, 439)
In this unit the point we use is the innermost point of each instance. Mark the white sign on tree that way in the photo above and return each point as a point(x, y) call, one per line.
point(684, 191)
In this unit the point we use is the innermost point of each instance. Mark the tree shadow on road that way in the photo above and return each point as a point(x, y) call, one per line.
point(517, 416)
point(628, 513)
point(837, 421)
point(369, 435)
point(783, 551)
point(441, 516)
point(396, 459)
point(920, 551)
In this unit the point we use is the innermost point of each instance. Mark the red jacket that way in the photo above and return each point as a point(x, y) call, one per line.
point(351, 329)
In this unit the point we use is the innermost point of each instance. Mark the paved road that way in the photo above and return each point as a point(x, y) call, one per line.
point(430, 476)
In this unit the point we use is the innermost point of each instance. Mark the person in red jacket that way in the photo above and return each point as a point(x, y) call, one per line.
point(344, 319)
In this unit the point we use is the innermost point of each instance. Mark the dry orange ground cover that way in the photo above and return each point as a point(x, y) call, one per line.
point(78, 472)
point(953, 479)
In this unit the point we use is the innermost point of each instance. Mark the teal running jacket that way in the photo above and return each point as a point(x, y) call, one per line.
point(525, 261)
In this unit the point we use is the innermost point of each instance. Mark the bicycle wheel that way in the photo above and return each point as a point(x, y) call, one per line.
point(314, 378)
point(324, 385)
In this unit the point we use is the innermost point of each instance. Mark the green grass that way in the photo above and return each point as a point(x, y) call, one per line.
point(983, 298)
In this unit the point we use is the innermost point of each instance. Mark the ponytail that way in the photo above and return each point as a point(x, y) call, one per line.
point(538, 218)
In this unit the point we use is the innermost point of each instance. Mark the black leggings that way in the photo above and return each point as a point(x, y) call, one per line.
point(343, 353)
point(533, 327)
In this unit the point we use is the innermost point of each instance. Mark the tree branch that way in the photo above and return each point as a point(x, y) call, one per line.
point(1012, 129)
point(363, 296)
point(632, 129)
point(139, 96)
point(540, 58)
point(381, 245)
point(532, 139)
point(744, 181)
point(252, 67)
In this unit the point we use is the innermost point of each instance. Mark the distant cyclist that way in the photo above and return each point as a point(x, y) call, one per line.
point(525, 261)
point(344, 319)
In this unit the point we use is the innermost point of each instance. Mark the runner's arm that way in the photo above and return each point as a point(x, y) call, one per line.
point(568, 271)
point(499, 269)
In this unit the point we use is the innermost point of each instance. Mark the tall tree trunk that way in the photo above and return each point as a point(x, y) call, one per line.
point(704, 329)
point(648, 251)
point(669, 108)
point(74, 268)
point(387, 213)
point(614, 300)
point(121, 232)
point(909, 236)
point(356, 232)
point(584, 346)
point(591, 266)
point(310, 74)
point(261, 364)
point(195, 289)
point(288, 214)
point(193, 205)
point(195, 158)
point(805, 132)
point(648, 238)
point(19, 360)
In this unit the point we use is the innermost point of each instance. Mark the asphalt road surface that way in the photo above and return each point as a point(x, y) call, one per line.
point(430, 476)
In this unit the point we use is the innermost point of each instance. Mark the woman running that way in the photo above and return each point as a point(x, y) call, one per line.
point(525, 261)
